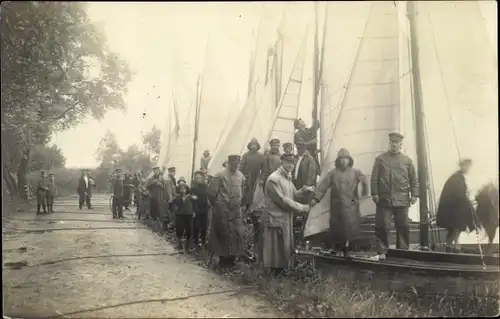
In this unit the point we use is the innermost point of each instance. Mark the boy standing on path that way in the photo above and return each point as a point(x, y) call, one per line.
point(41, 193)
point(51, 192)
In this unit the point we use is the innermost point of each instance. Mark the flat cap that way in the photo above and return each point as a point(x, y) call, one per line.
point(465, 161)
point(395, 136)
point(156, 167)
point(171, 169)
point(232, 158)
point(274, 141)
point(118, 170)
point(288, 157)
point(287, 144)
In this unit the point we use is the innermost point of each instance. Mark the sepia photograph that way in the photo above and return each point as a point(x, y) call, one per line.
point(264, 159)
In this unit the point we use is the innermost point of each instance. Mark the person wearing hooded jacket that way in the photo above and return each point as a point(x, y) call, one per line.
point(251, 166)
point(345, 216)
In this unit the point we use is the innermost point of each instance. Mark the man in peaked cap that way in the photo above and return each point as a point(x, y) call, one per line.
point(394, 188)
point(41, 193)
point(272, 160)
point(225, 236)
point(171, 174)
point(156, 187)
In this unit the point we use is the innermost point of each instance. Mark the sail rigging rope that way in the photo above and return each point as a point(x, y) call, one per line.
point(452, 124)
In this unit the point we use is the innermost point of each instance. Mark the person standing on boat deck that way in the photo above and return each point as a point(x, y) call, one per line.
point(156, 186)
point(487, 211)
point(226, 229)
point(344, 182)
point(394, 188)
point(277, 218)
point(308, 136)
point(205, 160)
point(304, 172)
point(250, 167)
point(288, 148)
point(84, 190)
point(183, 205)
point(455, 211)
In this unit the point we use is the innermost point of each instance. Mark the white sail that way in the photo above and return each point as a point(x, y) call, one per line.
point(167, 140)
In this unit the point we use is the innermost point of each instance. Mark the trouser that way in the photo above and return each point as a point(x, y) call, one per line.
point(183, 226)
point(452, 239)
point(41, 201)
point(200, 228)
point(117, 207)
point(227, 261)
point(84, 199)
point(50, 202)
point(155, 208)
point(383, 218)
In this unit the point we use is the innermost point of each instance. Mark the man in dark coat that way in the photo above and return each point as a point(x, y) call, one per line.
point(41, 193)
point(272, 160)
point(343, 182)
point(156, 186)
point(200, 190)
point(251, 167)
point(308, 137)
point(84, 190)
point(304, 173)
point(455, 211)
point(394, 187)
point(118, 191)
point(487, 211)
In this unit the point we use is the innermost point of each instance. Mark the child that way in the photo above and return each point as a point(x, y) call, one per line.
point(118, 188)
point(41, 193)
point(200, 190)
point(288, 148)
point(51, 192)
point(183, 206)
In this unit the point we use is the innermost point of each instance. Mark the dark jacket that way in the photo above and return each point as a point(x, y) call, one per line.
point(184, 206)
point(118, 188)
point(42, 185)
point(487, 209)
point(201, 192)
point(272, 162)
point(52, 188)
point(394, 180)
point(455, 210)
point(82, 188)
point(306, 174)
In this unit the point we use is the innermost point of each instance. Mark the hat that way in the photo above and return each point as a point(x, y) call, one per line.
point(52, 174)
point(118, 170)
point(254, 141)
point(288, 144)
point(232, 158)
point(171, 169)
point(465, 161)
point(274, 141)
point(288, 157)
point(301, 144)
point(343, 153)
point(199, 173)
point(395, 137)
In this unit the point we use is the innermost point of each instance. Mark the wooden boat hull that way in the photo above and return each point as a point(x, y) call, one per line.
point(399, 274)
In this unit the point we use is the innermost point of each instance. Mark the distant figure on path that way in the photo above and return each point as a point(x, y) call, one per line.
point(277, 242)
point(205, 160)
point(118, 191)
point(343, 182)
point(84, 190)
point(250, 167)
point(41, 193)
point(394, 188)
point(199, 188)
point(455, 211)
point(51, 193)
point(226, 228)
point(156, 186)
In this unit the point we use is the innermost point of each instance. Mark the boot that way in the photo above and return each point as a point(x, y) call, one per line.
point(179, 244)
point(188, 245)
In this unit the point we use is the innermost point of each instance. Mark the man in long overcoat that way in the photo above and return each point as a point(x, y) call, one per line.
point(226, 226)
point(156, 187)
point(251, 167)
point(304, 172)
point(84, 190)
point(308, 137)
point(343, 182)
point(394, 187)
point(277, 218)
point(455, 211)
point(272, 160)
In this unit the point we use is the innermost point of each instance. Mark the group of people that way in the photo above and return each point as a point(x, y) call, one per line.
point(45, 193)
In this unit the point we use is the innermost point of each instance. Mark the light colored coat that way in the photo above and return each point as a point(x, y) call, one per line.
point(277, 220)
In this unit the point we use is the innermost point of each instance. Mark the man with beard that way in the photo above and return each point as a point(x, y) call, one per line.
point(226, 233)
point(309, 138)
point(394, 188)
point(455, 211)
point(250, 167)
point(277, 217)
point(200, 190)
point(343, 182)
point(156, 187)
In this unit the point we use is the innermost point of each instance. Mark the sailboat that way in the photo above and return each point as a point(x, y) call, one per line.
point(388, 75)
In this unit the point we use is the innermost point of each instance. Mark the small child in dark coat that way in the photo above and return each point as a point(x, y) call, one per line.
point(199, 188)
point(51, 193)
point(183, 205)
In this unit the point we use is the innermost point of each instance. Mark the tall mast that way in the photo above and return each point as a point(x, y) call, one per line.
point(315, 66)
point(420, 127)
point(319, 81)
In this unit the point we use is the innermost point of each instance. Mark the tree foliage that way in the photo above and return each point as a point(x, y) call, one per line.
point(152, 141)
point(46, 158)
point(56, 69)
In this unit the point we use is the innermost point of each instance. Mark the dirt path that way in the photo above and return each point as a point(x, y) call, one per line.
point(88, 265)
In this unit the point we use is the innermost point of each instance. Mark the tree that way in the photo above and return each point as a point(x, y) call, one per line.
point(46, 157)
point(152, 142)
point(108, 151)
point(55, 70)
point(134, 160)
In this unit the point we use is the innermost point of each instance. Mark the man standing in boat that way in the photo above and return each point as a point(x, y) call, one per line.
point(250, 167)
point(455, 211)
point(308, 137)
point(304, 172)
point(343, 182)
point(394, 188)
point(226, 229)
point(272, 160)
